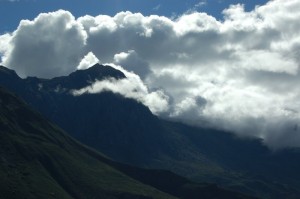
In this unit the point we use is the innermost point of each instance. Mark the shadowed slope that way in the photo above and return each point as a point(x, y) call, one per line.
point(38, 160)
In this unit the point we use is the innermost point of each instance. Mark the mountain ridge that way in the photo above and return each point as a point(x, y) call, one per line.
point(127, 131)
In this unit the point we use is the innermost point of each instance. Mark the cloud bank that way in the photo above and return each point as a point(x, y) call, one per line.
point(240, 73)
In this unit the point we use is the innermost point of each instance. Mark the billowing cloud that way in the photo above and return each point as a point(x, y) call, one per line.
point(50, 45)
point(89, 60)
point(4, 46)
point(240, 73)
point(132, 62)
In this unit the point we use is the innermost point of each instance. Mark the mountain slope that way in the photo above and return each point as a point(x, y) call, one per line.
point(105, 121)
point(127, 131)
point(247, 165)
point(38, 160)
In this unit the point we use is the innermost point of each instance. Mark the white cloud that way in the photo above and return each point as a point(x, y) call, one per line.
point(201, 3)
point(241, 74)
point(130, 87)
point(89, 60)
point(197, 6)
point(50, 45)
point(5, 46)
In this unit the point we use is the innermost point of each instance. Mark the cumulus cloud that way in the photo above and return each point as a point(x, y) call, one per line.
point(50, 45)
point(132, 62)
point(240, 73)
point(4, 46)
point(89, 60)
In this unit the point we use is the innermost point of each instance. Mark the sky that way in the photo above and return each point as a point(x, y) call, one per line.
point(231, 65)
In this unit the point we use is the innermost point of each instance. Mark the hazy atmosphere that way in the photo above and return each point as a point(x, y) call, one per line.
point(235, 68)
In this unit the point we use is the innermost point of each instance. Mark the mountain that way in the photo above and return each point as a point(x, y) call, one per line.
point(38, 160)
point(126, 131)
point(105, 121)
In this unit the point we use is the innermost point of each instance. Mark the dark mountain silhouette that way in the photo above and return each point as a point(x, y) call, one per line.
point(127, 131)
point(38, 160)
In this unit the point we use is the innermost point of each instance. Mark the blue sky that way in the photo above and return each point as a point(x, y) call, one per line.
point(12, 11)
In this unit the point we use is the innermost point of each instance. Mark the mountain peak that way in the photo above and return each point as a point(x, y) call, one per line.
point(99, 71)
point(7, 72)
point(83, 78)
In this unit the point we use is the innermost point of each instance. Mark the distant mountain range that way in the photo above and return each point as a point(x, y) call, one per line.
point(126, 131)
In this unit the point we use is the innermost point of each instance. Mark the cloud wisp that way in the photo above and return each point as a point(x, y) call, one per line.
point(129, 87)
point(240, 74)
